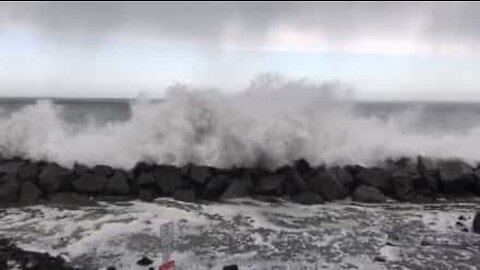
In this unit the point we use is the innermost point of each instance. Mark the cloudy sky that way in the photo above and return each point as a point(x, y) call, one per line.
point(386, 51)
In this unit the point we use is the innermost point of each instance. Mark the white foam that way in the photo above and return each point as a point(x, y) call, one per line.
point(270, 124)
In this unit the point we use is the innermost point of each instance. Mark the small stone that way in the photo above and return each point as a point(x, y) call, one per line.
point(144, 261)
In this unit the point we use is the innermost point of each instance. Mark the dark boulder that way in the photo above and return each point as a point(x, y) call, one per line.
point(70, 198)
point(29, 172)
point(238, 188)
point(376, 177)
point(90, 183)
point(269, 185)
point(455, 176)
point(344, 177)
point(303, 168)
point(10, 168)
point(168, 179)
point(80, 169)
point(146, 179)
point(144, 261)
point(328, 186)
point(186, 195)
point(230, 267)
point(403, 185)
point(307, 198)
point(476, 223)
point(9, 189)
point(117, 184)
point(427, 166)
point(199, 174)
point(215, 187)
point(29, 193)
point(54, 178)
point(294, 183)
point(147, 195)
point(368, 194)
point(102, 170)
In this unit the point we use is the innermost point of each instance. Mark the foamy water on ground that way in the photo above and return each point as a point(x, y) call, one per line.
point(253, 234)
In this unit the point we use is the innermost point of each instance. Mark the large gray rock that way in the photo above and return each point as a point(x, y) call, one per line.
point(455, 176)
point(186, 195)
point(368, 194)
point(294, 183)
point(343, 176)
point(9, 189)
point(29, 172)
point(238, 188)
point(328, 186)
point(29, 193)
point(269, 185)
point(102, 170)
point(215, 187)
point(90, 183)
point(427, 166)
point(117, 184)
point(146, 179)
point(199, 174)
point(376, 177)
point(307, 198)
point(168, 179)
point(54, 178)
point(10, 168)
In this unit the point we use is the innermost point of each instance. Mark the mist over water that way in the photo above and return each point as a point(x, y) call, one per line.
point(271, 123)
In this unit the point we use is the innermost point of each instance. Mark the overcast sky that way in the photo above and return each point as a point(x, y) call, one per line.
point(389, 50)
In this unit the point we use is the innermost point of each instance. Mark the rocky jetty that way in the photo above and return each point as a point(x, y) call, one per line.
point(27, 182)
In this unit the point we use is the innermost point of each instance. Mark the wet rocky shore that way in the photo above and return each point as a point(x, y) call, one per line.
point(424, 180)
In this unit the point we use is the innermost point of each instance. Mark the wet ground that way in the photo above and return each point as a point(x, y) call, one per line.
point(252, 234)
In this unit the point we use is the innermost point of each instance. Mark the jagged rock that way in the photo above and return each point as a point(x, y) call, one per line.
point(215, 187)
point(199, 174)
point(70, 198)
point(303, 168)
point(328, 186)
point(10, 168)
point(376, 177)
point(427, 166)
point(90, 183)
point(269, 185)
point(102, 170)
point(29, 193)
point(168, 179)
point(9, 189)
point(344, 177)
point(80, 169)
point(29, 172)
point(117, 184)
point(147, 195)
point(54, 178)
point(186, 195)
point(368, 194)
point(403, 185)
point(307, 198)
point(146, 179)
point(231, 267)
point(294, 183)
point(476, 223)
point(237, 189)
point(144, 261)
point(455, 176)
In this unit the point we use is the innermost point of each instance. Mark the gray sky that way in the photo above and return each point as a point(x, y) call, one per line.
point(387, 50)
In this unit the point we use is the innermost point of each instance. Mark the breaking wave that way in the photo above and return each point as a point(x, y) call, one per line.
point(271, 123)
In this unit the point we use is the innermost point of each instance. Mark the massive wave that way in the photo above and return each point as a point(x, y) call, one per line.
point(271, 123)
